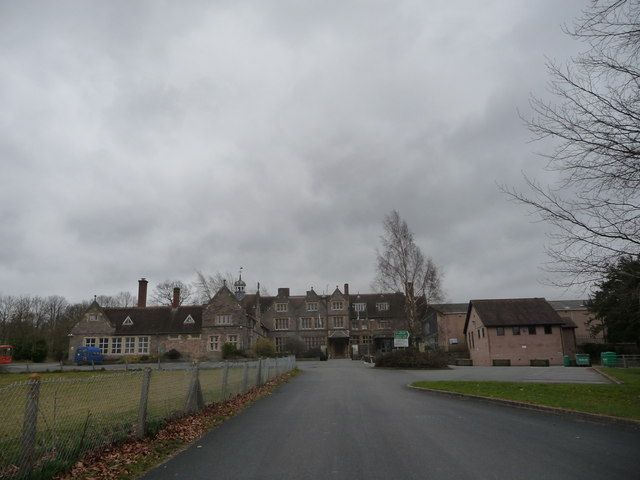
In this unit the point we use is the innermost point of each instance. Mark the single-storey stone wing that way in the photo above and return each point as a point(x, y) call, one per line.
point(520, 331)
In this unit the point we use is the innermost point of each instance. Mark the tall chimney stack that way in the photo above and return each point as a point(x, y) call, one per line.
point(346, 289)
point(142, 293)
point(176, 297)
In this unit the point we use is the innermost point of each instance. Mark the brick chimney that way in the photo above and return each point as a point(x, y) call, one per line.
point(142, 293)
point(176, 297)
point(283, 292)
point(346, 289)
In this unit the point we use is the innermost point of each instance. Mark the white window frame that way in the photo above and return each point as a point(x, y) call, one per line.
point(233, 339)
point(214, 343)
point(129, 345)
point(281, 320)
point(189, 320)
point(143, 345)
point(224, 319)
point(103, 345)
point(116, 345)
point(382, 306)
point(127, 321)
point(319, 323)
point(359, 307)
point(312, 306)
point(335, 319)
point(337, 305)
point(306, 323)
point(281, 307)
point(90, 341)
point(93, 317)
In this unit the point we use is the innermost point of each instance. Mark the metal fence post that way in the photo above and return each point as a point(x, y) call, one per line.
point(195, 400)
point(245, 377)
point(225, 379)
point(141, 427)
point(29, 424)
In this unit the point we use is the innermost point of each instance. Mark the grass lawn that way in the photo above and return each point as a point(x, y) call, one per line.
point(615, 400)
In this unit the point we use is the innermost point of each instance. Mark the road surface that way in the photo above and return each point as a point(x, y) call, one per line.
point(343, 420)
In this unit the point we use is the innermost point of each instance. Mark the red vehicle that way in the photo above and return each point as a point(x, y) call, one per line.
point(6, 354)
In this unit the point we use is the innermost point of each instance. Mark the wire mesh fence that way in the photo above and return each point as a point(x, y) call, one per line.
point(47, 425)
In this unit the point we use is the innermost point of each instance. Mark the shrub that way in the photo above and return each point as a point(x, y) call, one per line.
point(40, 350)
point(295, 346)
point(265, 348)
point(412, 358)
point(229, 350)
point(172, 354)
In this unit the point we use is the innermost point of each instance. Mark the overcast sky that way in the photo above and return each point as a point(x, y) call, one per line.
point(156, 138)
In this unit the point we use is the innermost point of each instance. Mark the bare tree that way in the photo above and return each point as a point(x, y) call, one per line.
point(163, 293)
point(206, 286)
point(595, 125)
point(402, 267)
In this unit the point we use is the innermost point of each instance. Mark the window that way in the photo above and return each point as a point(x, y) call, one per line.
point(103, 345)
point(281, 307)
point(193, 336)
point(282, 323)
point(515, 330)
point(127, 321)
point(354, 324)
point(319, 322)
point(129, 345)
point(532, 330)
point(382, 306)
point(338, 322)
point(214, 343)
point(547, 329)
point(143, 345)
point(173, 337)
point(189, 320)
point(306, 323)
point(365, 339)
point(280, 344)
point(93, 317)
point(90, 342)
point(385, 323)
point(337, 305)
point(364, 326)
point(500, 331)
point(233, 340)
point(359, 307)
point(223, 320)
point(313, 342)
point(116, 345)
point(312, 306)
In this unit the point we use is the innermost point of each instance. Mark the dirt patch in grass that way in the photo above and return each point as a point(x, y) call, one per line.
point(130, 459)
point(614, 400)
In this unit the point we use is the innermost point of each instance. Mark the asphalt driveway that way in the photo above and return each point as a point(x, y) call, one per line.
point(343, 420)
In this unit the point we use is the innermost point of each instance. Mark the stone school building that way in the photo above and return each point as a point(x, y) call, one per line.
point(341, 324)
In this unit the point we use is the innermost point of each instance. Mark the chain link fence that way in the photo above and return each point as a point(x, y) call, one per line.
point(46, 425)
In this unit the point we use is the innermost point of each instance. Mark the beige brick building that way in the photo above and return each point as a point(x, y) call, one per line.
point(519, 331)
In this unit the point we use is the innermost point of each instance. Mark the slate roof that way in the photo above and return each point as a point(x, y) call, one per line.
point(155, 320)
point(450, 307)
point(395, 301)
point(568, 304)
point(514, 312)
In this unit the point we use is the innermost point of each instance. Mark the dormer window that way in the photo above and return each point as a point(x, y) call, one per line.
point(382, 306)
point(359, 307)
point(312, 306)
point(189, 320)
point(337, 305)
point(281, 307)
point(127, 321)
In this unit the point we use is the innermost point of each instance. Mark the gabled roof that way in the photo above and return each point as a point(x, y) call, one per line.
point(514, 312)
point(155, 320)
point(450, 307)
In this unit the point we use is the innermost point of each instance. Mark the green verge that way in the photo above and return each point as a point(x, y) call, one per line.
point(614, 400)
